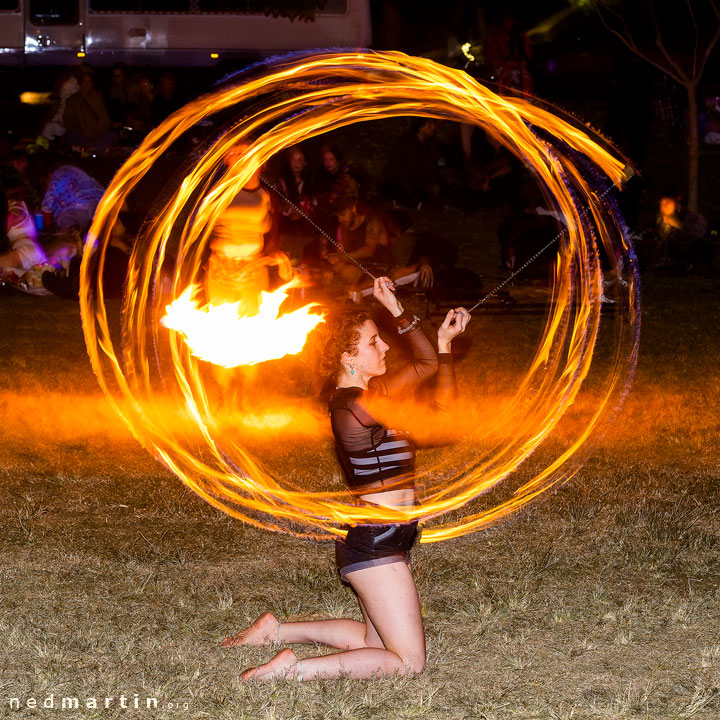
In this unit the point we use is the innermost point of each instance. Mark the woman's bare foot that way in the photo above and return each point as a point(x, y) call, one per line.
point(279, 666)
point(262, 632)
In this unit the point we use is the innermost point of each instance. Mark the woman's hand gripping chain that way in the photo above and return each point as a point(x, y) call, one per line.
point(454, 323)
point(384, 293)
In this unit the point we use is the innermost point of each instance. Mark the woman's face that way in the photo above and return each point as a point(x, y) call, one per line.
point(668, 206)
point(297, 161)
point(330, 162)
point(86, 84)
point(369, 360)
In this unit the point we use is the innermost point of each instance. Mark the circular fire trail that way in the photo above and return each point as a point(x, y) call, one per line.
point(155, 377)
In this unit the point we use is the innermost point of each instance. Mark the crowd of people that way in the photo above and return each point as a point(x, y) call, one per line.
point(90, 117)
point(49, 196)
point(366, 208)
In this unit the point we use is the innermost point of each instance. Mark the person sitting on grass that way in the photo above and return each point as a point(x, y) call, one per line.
point(363, 235)
point(71, 196)
point(378, 464)
point(23, 250)
point(87, 119)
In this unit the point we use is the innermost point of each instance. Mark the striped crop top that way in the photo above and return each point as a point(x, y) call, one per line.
point(373, 457)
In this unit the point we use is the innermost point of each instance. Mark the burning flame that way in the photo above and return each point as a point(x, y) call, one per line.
point(222, 336)
point(297, 99)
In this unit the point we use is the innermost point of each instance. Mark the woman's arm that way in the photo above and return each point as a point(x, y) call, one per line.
point(424, 362)
point(455, 322)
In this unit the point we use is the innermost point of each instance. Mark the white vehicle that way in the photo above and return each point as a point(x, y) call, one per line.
point(171, 32)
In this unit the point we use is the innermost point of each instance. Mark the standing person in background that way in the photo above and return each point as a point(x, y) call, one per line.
point(142, 93)
point(508, 53)
point(236, 271)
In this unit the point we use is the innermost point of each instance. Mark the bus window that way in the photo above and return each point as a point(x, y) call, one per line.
point(334, 7)
point(278, 8)
point(300, 8)
point(140, 6)
point(54, 12)
point(9, 5)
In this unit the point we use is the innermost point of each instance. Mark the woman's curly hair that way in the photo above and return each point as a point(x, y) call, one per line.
point(339, 334)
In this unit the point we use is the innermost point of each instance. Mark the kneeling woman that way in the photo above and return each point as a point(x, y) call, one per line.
point(378, 464)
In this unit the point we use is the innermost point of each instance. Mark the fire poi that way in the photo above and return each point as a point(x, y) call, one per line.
point(294, 99)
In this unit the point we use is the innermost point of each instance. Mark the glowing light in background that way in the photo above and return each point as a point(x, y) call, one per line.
point(35, 98)
point(222, 336)
point(296, 99)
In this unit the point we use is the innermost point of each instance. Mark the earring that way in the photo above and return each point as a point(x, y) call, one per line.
point(352, 369)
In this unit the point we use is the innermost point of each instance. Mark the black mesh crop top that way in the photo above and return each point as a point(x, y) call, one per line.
point(374, 458)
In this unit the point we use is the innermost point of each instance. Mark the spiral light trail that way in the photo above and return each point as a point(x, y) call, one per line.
point(152, 378)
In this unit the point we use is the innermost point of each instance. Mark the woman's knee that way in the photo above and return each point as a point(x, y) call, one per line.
point(412, 656)
point(414, 663)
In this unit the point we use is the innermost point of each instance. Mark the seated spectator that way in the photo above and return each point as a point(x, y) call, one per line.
point(411, 177)
point(698, 250)
point(685, 241)
point(363, 235)
point(119, 95)
point(66, 86)
point(668, 220)
point(142, 92)
point(71, 196)
point(87, 119)
point(296, 184)
point(66, 284)
point(334, 180)
point(166, 100)
point(20, 161)
point(16, 171)
point(18, 226)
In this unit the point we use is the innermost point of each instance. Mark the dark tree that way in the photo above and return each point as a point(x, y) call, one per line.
point(677, 37)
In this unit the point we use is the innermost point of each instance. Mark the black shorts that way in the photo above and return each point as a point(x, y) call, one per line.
point(369, 545)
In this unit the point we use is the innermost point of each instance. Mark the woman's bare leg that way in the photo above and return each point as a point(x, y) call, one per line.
point(262, 632)
point(390, 603)
point(341, 634)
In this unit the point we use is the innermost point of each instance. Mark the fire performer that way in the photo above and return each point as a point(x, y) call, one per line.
point(236, 271)
point(242, 249)
point(378, 464)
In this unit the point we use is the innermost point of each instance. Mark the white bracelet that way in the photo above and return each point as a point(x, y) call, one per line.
point(415, 321)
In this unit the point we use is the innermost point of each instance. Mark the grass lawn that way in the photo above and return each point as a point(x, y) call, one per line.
point(602, 602)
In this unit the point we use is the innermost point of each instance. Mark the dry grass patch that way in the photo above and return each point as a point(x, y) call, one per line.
point(602, 602)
